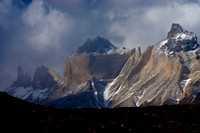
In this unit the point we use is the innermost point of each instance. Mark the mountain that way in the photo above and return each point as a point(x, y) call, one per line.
point(87, 74)
point(101, 75)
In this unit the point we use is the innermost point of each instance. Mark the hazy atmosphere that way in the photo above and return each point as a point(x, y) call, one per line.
point(45, 32)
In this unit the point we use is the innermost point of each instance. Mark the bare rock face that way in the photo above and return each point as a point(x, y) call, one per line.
point(101, 66)
point(175, 29)
point(86, 75)
point(94, 60)
point(23, 80)
point(76, 70)
point(54, 74)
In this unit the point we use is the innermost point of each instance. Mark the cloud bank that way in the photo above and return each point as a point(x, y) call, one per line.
point(45, 32)
point(45, 28)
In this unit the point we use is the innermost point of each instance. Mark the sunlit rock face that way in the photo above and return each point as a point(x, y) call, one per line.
point(87, 72)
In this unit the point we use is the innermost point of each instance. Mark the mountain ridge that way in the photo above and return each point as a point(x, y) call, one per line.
point(104, 76)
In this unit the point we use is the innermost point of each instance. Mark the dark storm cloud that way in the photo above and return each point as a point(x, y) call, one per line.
point(44, 32)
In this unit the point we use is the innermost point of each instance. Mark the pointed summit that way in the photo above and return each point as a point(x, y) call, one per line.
point(179, 40)
point(45, 78)
point(175, 29)
point(97, 45)
point(23, 80)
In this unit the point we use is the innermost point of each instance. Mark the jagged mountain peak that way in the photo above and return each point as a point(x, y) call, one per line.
point(96, 45)
point(178, 40)
point(45, 78)
point(175, 29)
point(23, 79)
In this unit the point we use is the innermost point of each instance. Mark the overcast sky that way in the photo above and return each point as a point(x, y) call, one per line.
point(45, 32)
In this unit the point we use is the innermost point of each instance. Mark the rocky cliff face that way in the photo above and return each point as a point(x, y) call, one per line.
point(175, 29)
point(97, 57)
point(87, 73)
point(105, 66)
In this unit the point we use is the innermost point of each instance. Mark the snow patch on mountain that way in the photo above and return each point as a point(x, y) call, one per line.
point(29, 93)
point(184, 36)
point(180, 42)
point(108, 93)
point(184, 83)
point(19, 92)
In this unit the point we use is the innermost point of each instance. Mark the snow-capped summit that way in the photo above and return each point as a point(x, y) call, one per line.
point(178, 40)
point(97, 45)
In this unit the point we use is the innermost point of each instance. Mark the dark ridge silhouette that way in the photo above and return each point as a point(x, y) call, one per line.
point(17, 115)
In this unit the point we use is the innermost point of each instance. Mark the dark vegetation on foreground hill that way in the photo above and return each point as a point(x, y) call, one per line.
point(20, 116)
